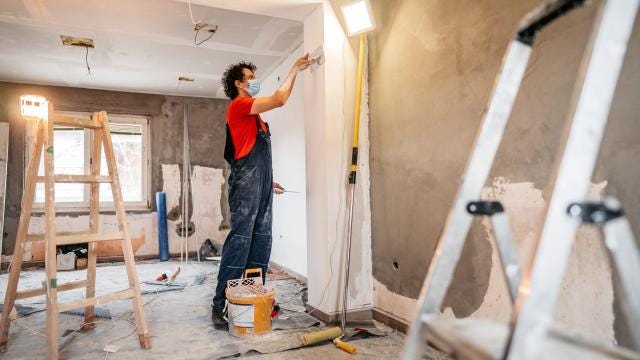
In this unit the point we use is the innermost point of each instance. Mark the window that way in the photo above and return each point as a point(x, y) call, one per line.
point(129, 135)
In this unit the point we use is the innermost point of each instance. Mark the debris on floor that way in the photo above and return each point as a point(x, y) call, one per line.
point(179, 321)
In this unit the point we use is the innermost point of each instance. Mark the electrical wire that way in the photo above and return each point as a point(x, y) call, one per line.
point(191, 15)
point(195, 38)
point(86, 59)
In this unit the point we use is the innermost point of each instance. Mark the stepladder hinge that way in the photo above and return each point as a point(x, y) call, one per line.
point(484, 208)
point(596, 213)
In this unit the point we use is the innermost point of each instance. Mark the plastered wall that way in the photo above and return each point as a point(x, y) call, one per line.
point(329, 109)
point(209, 207)
point(289, 248)
point(432, 67)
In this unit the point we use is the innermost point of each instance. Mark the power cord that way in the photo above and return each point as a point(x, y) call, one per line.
point(195, 38)
point(86, 59)
point(191, 15)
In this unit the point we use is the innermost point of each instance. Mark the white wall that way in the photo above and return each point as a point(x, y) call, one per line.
point(329, 102)
point(288, 137)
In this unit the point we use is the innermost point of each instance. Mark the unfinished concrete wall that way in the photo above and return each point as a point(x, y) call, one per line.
point(207, 137)
point(432, 67)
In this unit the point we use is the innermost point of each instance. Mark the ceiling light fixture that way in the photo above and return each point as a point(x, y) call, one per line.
point(76, 41)
point(204, 27)
point(86, 43)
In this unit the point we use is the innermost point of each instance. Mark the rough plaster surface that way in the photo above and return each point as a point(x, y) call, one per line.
point(426, 107)
point(587, 283)
point(206, 185)
point(171, 186)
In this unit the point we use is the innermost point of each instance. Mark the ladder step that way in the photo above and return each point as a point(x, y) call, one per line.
point(76, 122)
point(86, 238)
point(40, 237)
point(82, 179)
point(120, 295)
point(479, 339)
point(25, 294)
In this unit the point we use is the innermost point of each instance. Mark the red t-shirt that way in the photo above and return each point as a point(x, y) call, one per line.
point(243, 125)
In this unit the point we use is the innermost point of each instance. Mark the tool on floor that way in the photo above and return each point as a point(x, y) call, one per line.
point(249, 304)
point(530, 335)
point(331, 334)
point(318, 337)
point(39, 109)
point(174, 275)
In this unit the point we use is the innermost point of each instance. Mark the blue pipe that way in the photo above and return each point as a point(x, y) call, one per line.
point(163, 239)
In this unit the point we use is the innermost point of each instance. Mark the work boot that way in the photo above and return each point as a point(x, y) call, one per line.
point(219, 322)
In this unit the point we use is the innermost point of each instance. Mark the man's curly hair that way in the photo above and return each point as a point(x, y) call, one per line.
point(233, 73)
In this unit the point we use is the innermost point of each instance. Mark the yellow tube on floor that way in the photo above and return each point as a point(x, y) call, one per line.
point(344, 346)
point(320, 336)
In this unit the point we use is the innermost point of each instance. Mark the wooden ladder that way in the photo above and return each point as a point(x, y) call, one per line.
point(44, 141)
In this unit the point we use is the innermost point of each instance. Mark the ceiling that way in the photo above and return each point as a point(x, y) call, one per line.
point(145, 45)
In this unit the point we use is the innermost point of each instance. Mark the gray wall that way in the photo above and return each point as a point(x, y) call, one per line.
point(206, 131)
point(432, 67)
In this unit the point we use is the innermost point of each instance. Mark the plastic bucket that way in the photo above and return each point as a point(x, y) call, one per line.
point(249, 306)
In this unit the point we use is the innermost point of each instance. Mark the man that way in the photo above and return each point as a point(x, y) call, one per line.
point(251, 185)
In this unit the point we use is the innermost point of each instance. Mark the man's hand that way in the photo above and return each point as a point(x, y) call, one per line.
point(278, 189)
point(302, 63)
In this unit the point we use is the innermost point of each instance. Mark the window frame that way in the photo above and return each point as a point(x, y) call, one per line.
point(83, 206)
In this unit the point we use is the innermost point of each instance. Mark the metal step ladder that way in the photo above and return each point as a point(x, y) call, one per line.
point(527, 336)
point(45, 144)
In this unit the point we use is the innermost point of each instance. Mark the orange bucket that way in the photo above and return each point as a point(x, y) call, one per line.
point(249, 305)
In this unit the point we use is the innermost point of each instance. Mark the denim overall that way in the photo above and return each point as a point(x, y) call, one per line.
point(248, 245)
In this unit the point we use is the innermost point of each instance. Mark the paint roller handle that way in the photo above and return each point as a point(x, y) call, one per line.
point(344, 346)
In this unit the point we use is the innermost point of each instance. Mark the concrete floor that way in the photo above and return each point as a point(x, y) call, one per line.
point(179, 321)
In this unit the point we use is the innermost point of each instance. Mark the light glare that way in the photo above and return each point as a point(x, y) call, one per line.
point(358, 17)
point(34, 107)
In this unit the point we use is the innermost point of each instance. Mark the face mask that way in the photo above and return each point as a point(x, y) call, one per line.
point(254, 87)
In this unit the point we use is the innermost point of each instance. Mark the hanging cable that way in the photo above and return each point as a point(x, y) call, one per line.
point(86, 59)
point(191, 15)
point(195, 38)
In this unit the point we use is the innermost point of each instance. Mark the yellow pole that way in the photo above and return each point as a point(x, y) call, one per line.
point(356, 120)
point(352, 179)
